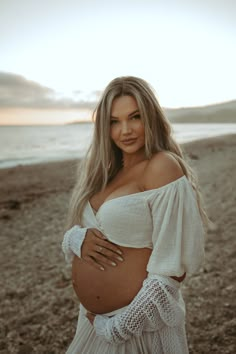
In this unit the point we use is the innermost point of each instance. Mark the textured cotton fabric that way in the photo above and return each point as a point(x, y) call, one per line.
point(87, 342)
point(152, 324)
point(167, 220)
point(72, 242)
point(158, 306)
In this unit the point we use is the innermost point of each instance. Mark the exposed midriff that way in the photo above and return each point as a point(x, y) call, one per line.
point(105, 291)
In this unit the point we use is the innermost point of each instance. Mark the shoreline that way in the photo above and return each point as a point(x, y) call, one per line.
point(182, 136)
point(62, 160)
point(32, 179)
point(39, 308)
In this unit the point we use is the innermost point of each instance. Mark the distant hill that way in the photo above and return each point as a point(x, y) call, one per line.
point(217, 113)
point(80, 122)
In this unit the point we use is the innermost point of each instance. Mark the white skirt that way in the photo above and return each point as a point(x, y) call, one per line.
point(87, 342)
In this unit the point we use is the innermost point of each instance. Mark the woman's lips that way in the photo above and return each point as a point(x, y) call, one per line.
point(128, 141)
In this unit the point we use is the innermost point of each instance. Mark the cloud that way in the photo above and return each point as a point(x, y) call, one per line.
point(18, 92)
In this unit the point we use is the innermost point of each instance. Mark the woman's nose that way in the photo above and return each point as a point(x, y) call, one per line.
point(125, 128)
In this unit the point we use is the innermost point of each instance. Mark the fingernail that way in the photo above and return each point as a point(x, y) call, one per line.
point(101, 268)
point(113, 263)
point(120, 259)
point(119, 252)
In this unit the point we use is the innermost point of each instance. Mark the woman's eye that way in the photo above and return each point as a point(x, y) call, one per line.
point(137, 116)
point(113, 122)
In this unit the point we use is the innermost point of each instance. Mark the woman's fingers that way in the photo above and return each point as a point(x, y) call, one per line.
point(98, 234)
point(99, 260)
point(104, 259)
point(108, 253)
point(99, 252)
point(103, 242)
point(90, 260)
point(109, 245)
point(90, 316)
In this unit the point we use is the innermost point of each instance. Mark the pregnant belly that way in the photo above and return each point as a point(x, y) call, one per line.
point(113, 288)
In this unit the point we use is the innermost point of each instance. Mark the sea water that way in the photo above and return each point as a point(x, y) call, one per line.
point(20, 145)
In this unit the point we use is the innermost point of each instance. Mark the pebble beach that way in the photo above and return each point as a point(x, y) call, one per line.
point(39, 309)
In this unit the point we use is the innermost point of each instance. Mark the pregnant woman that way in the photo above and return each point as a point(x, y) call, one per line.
point(135, 229)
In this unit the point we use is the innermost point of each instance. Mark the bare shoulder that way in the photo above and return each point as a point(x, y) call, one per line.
point(162, 169)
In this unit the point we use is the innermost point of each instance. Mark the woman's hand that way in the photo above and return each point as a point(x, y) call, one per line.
point(90, 316)
point(98, 251)
point(179, 279)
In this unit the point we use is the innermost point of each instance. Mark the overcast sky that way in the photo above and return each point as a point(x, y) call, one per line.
point(59, 54)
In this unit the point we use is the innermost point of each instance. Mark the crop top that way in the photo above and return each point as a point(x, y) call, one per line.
point(165, 219)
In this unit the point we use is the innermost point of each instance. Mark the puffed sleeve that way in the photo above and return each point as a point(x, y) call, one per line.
point(178, 233)
point(158, 306)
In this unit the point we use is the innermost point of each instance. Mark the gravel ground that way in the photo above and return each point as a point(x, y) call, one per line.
point(39, 309)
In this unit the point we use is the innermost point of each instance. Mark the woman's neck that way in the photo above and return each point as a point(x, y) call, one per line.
point(129, 160)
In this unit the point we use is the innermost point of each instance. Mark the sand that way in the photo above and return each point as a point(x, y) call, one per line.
point(39, 309)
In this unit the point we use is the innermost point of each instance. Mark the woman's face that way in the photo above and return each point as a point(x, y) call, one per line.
point(127, 129)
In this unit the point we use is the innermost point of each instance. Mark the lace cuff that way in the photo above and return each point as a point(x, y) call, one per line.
point(72, 242)
point(159, 303)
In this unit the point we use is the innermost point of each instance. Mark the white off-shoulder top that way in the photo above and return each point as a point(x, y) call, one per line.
point(166, 220)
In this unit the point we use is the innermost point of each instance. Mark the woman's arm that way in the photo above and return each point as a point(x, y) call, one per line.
point(157, 304)
point(90, 245)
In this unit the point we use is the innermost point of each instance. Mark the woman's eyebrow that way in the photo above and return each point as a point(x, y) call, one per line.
point(136, 111)
point(129, 115)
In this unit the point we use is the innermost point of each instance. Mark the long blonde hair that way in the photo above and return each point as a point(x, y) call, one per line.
point(103, 159)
